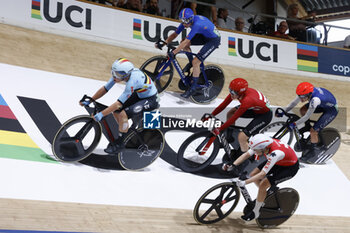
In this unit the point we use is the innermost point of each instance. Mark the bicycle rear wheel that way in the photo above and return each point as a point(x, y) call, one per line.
point(272, 130)
point(279, 207)
point(216, 80)
point(331, 140)
point(152, 66)
point(138, 155)
point(189, 157)
point(216, 203)
point(76, 139)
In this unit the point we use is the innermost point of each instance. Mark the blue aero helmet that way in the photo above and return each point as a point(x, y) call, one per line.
point(186, 15)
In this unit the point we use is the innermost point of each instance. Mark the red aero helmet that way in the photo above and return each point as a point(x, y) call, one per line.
point(239, 85)
point(304, 88)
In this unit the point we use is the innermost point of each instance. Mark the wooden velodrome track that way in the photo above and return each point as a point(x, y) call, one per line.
point(59, 54)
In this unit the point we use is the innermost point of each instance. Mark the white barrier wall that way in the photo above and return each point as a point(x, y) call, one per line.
point(138, 31)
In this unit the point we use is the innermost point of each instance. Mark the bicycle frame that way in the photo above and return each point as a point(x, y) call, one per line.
point(222, 139)
point(297, 133)
point(109, 124)
point(178, 67)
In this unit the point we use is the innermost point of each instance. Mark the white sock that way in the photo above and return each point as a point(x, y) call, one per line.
point(257, 207)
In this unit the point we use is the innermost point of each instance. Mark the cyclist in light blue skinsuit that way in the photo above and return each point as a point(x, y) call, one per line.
point(203, 32)
point(140, 94)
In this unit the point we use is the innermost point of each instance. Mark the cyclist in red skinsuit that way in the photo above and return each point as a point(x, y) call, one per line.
point(282, 164)
point(253, 104)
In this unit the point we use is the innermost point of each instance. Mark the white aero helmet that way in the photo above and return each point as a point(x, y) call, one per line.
point(121, 68)
point(259, 141)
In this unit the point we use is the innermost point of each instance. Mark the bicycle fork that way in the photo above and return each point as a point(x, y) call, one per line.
point(245, 194)
point(207, 142)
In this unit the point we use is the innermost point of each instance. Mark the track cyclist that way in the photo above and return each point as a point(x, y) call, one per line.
point(203, 32)
point(320, 100)
point(140, 94)
point(282, 164)
point(253, 104)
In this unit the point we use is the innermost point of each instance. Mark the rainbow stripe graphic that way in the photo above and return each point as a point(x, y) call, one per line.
point(36, 9)
point(232, 46)
point(137, 29)
point(14, 141)
point(307, 57)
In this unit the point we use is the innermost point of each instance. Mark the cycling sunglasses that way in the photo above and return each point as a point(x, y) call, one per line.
point(232, 92)
point(118, 75)
point(303, 96)
point(187, 21)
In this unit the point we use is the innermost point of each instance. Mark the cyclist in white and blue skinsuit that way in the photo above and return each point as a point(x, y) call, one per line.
point(320, 100)
point(140, 94)
point(203, 32)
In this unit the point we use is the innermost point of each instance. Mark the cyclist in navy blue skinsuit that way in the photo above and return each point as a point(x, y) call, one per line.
point(320, 101)
point(140, 94)
point(203, 32)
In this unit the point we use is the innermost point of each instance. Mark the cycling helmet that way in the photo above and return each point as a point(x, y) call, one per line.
point(238, 86)
point(186, 15)
point(304, 88)
point(121, 68)
point(259, 142)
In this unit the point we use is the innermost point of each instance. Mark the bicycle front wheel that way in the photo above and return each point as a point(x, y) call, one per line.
point(278, 208)
point(216, 203)
point(141, 148)
point(76, 139)
point(153, 66)
point(273, 130)
point(191, 156)
point(216, 80)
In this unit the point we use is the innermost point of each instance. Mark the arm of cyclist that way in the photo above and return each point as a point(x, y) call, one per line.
point(99, 93)
point(239, 112)
point(184, 44)
point(242, 158)
point(222, 106)
point(116, 105)
point(292, 104)
point(272, 159)
point(171, 37)
point(314, 102)
point(159, 44)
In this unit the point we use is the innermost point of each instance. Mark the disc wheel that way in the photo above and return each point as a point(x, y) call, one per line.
point(153, 66)
point(138, 155)
point(216, 80)
point(278, 208)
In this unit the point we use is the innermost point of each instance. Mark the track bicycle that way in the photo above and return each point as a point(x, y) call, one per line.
point(200, 149)
point(161, 70)
point(329, 138)
point(220, 200)
point(79, 136)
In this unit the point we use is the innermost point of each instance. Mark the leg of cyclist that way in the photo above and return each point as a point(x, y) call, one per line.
point(258, 123)
point(275, 176)
point(328, 115)
point(135, 106)
point(209, 45)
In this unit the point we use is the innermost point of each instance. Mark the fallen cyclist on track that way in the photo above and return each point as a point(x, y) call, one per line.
point(140, 94)
point(282, 164)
